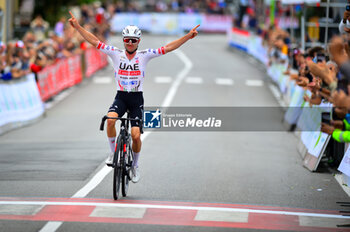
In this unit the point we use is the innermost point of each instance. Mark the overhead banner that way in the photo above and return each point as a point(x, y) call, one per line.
point(288, 2)
point(171, 23)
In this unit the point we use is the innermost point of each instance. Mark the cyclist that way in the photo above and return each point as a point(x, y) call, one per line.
point(129, 66)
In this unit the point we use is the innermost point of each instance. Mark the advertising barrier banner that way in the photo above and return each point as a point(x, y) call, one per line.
point(59, 76)
point(308, 119)
point(19, 101)
point(94, 60)
point(239, 39)
point(344, 166)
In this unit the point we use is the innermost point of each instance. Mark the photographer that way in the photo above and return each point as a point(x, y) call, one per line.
point(344, 25)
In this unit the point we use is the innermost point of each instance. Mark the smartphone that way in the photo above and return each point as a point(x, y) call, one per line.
point(326, 117)
point(320, 58)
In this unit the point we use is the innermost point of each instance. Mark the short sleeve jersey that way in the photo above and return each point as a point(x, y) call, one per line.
point(129, 74)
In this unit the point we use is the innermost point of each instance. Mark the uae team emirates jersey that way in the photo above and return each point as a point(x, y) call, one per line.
point(129, 74)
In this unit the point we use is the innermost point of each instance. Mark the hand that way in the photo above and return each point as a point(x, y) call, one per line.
point(293, 76)
point(328, 129)
point(340, 99)
point(302, 81)
point(73, 21)
point(346, 15)
point(320, 70)
point(315, 85)
point(307, 99)
point(326, 94)
point(315, 99)
point(337, 124)
point(336, 49)
point(193, 32)
point(341, 112)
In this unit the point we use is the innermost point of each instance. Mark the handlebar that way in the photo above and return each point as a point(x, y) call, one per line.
point(123, 120)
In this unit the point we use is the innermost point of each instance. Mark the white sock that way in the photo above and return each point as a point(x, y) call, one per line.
point(111, 141)
point(136, 159)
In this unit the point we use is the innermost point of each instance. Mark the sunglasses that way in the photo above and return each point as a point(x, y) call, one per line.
point(133, 40)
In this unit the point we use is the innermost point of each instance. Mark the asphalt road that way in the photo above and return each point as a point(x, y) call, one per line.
point(56, 157)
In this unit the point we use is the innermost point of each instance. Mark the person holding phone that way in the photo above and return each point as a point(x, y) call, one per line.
point(129, 66)
point(344, 25)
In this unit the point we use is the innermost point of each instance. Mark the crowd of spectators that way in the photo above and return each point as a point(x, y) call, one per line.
point(325, 72)
point(42, 46)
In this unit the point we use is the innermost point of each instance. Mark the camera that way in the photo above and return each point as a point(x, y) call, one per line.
point(326, 117)
point(347, 8)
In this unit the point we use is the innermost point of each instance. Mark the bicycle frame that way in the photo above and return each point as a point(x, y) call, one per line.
point(121, 153)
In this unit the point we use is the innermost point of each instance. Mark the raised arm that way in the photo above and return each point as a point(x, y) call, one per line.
point(177, 43)
point(88, 36)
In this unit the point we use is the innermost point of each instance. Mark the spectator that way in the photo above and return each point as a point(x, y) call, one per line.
point(344, 25)
point(59, 27)
point(39, 27)
point(37, 51)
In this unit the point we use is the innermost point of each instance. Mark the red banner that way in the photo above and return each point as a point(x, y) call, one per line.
point(59, 76)
point(94, 60)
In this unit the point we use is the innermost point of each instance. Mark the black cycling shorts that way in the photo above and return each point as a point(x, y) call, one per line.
point(132, 101)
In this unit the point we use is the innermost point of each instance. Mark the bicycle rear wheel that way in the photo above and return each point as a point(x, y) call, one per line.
point(117, 172)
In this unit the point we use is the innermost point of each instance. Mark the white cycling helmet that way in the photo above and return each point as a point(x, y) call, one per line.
point(131, 31)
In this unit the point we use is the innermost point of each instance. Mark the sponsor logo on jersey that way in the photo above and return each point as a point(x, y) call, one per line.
point(126, 83)
point(124, 66)
point(129, 73)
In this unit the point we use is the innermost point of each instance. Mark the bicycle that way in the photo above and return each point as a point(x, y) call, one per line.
point(123, 155)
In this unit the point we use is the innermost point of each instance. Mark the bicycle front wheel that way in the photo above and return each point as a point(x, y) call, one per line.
point(126, 170)
point(116, 182)
point(117, 172)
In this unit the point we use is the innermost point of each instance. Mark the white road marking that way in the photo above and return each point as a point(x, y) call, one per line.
point(20, 209)
point(194, 80)
point(175, 207)
point(224, 81)
point(205, 215)
point(122, 212)
point(51, 226)
point(101, 174)
point(276, 93)
point(102, 80)
point(254, 83)
point(162, 80)
point(173, 89)
point(322, 222)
